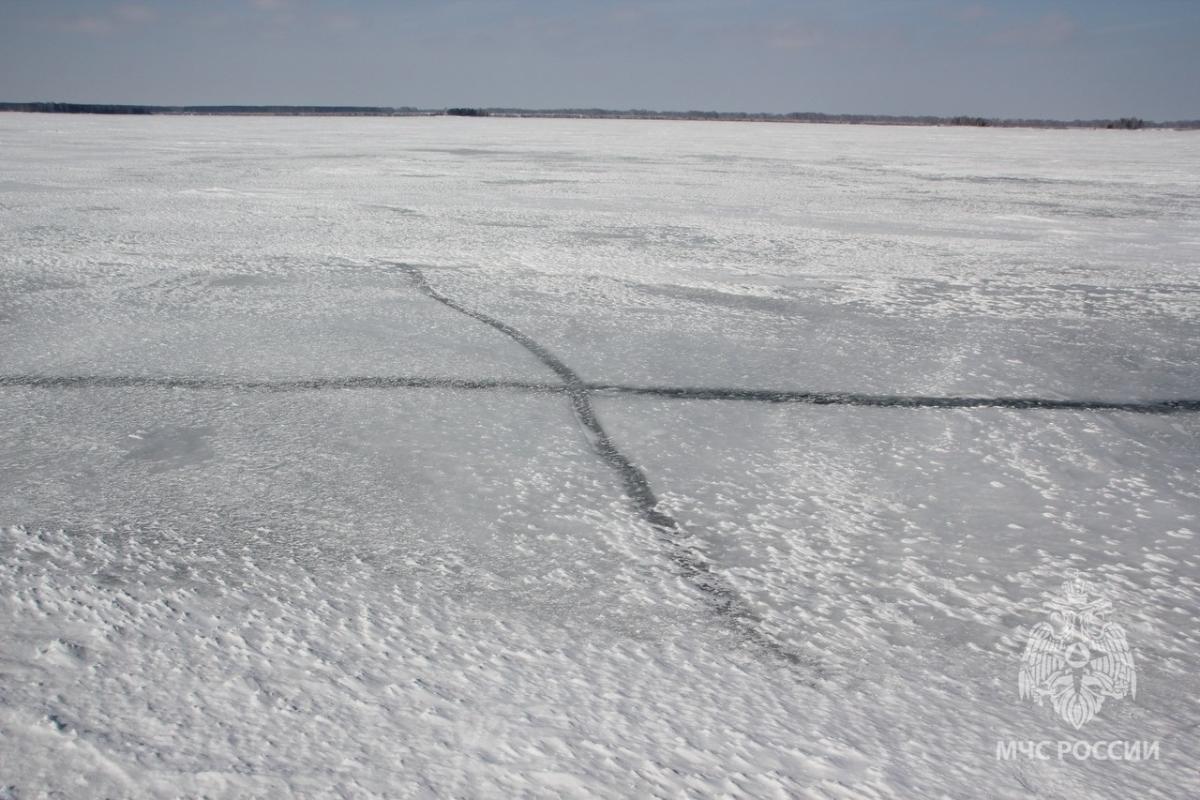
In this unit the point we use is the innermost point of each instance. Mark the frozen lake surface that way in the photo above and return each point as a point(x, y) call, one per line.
point(295, 502)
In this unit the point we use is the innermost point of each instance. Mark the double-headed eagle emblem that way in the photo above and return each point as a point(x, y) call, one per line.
point(1077, 658)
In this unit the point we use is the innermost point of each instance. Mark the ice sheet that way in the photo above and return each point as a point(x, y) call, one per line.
point(225, 572)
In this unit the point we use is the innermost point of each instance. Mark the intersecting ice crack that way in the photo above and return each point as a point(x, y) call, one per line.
point(1172, 406)
point(716, 592)
point(718, 595)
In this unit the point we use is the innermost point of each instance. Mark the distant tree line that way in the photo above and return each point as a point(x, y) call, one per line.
point(108, 108)
point(1127, 124)
point(75, 108)
point(1124, 123)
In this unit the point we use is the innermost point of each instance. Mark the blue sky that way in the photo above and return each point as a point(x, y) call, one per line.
point(1010, 58)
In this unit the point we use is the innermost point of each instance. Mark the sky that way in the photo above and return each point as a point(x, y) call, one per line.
point(1073, 59)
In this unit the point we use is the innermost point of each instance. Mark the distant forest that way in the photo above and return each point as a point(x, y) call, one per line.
point(1124, 123)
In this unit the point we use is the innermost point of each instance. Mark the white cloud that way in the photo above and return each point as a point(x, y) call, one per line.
point(342, 22)
point(795, 37)
point(134, 12)
point(107, 20)
point(92, 25)
point(970, 13)
point(1047, 31)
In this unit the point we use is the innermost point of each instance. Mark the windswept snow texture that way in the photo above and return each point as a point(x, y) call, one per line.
point(274, 521)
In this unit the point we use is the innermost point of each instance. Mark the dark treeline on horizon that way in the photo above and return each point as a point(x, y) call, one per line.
point(1126, 123)
point(120, 108)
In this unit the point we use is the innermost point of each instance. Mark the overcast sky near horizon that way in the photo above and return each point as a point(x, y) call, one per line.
point(1007, 58)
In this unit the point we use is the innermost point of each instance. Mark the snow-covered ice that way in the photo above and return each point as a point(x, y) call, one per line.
point(225, 572)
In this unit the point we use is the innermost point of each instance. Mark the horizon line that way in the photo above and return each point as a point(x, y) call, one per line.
point(262, 109)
